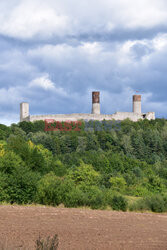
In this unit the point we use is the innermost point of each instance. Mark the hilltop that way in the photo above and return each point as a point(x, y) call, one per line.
point(123, 166)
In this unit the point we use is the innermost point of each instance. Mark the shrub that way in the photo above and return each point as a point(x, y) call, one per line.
point(156, 203)
point(58, 168)
point(53, 190)
point(4, 132)
point(138, 191)
point(50, 243)
point(139, 205)
point(22, 184)
point(85, 174)
point(10, 161)
point(118, 202)
point(118, 183)
point(155, 184)
point(18, 131)
point(44, 139)
point(3, 187)
point(74, 198)
point(49, 189)
point(95, 198)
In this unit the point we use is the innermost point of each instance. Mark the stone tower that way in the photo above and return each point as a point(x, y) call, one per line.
point(24, 111)
point(137, 104)
point(96, 102)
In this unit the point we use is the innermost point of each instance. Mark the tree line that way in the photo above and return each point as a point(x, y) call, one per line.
point(122, 167)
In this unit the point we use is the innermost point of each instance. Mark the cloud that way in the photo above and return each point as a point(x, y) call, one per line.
point(54, 53)
point(32, 18)
point(43, 20)
point(43, 82)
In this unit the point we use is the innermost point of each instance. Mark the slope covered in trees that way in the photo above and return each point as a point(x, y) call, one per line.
point(120, 167)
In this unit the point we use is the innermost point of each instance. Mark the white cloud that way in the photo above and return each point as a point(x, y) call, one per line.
point(140, 13)
point(28, 19)
point(43, 82)
point(32, 18)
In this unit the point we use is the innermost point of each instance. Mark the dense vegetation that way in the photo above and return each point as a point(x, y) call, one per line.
point(123, 168)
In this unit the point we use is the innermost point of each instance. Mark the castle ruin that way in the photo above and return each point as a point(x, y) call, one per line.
point(135, 115)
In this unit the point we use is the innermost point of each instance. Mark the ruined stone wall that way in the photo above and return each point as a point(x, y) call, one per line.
point(79, 116)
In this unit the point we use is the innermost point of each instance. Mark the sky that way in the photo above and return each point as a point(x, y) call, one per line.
point(53, 54)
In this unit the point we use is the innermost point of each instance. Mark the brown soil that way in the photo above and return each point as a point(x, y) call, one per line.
point(81, 228)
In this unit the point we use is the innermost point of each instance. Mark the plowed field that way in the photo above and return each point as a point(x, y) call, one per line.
point(79, 229)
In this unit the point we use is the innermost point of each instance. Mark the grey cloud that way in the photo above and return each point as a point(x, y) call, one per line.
point(105, 64)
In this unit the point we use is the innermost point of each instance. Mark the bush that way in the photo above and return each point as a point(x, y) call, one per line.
point(157, 203)
point(44, 139)
point(4, 196)
point(50, 243)
point(155, 184)
point(22, 184)
point(85, 174)
point(4, 132)
point(95, 198)
point(49, 190)
point(139, 205)
point(58, 168)
point(54, 190)
point(10, 161)
point(138, 191)
point(74, 198)
point(118, 183)
point(83, 195)
point(118, 202)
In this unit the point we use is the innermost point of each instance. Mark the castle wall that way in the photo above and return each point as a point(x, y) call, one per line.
point(79, 116)
point(95, 115)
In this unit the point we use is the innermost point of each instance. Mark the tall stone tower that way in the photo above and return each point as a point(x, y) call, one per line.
point(24, 111)
point(96, 102)
point(137, 104)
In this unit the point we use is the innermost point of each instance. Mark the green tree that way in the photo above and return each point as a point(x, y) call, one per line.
point(85, 174)
point(118, 183)
point(22, 185)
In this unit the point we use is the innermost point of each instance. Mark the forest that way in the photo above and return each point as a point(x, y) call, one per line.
point(119, 167)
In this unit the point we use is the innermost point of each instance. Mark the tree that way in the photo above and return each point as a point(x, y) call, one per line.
point(22, 185)
point(118, 183)
point(84, 174)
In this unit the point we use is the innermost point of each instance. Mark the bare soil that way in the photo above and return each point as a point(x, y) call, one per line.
point(79, 229)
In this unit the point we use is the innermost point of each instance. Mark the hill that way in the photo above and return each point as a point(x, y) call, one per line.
point(103, 164)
